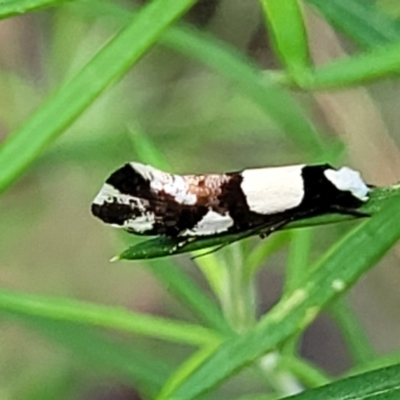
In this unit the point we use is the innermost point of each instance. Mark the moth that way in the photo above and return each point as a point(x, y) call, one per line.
point(147, 201)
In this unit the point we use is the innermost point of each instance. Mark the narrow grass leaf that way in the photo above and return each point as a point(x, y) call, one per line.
point(270, 97)
point(380, 361)
point(298, 258)
point(309, 374)
point(184, 372)
point(360, 20)
point(73, 311)
point(353, 332)
point(145, 149)
point(336, 272)
point(286, 23)
point(257, 256)
point(381, 384)
point(189, 294)
point(378, 63)
point(22, 148)
point(18, 7)
point(262, 89)
point(133, 366)
point(296, 267)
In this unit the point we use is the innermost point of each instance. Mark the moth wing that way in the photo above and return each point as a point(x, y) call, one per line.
point(147, 201)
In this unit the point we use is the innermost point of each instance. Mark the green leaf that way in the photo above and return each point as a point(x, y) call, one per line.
point(22, 148)
point(189, 294)
point(377, 63)
point(262, 89)
point(310, 375)
point(361, 20)
point(353, 332)
point(164, 246)
point(296, 267)
point(372, 29)
point(103, 354)
point(285, 20)
point(336, 272)
point(185, 370)
point(74, 311)
point(298, 258)
point(381, 384)
point(263, 250)
point(17, 7)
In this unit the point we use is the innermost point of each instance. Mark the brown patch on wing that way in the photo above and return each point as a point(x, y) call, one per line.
point(159, 197)
point(175, 218)
point(207, 188)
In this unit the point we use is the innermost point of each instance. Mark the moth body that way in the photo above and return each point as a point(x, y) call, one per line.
point(146, 201)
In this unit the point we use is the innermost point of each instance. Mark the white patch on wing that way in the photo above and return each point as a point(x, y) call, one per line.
point(147, 171)
point(347, 179)
point(140, 224)
point(211, 224)
point(108, 194)
point(178, 188)
point(174, 185)
point(273, 190)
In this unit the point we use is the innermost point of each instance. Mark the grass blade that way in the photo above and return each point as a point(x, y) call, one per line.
point(261, 89)
point(73, 311)
point(189, 294)
point(103, 354)
point(336, 272)
point(285, 20)
point(381, 384)
point(377, 63)
point(22, 148)
point(17, 7)
point(361, 20)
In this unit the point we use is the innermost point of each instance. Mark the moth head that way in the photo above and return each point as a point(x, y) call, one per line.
point(346, 179)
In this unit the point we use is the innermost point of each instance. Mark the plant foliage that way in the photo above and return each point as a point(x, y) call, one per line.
point(224, 338)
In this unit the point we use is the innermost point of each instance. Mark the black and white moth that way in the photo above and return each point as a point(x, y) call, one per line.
point(146, 201)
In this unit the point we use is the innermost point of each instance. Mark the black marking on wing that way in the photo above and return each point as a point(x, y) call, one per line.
point(321, 196)
point(170, 220)
point(321, 193)
point(128, 181)
point(114, 213)
point(176, 221)
point(171, 217)
point(233, 200)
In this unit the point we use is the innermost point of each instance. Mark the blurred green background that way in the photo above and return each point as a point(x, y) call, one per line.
point(199, 122)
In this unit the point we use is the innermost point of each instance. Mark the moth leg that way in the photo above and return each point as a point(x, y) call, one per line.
point(264, 230)
point(349, 211)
